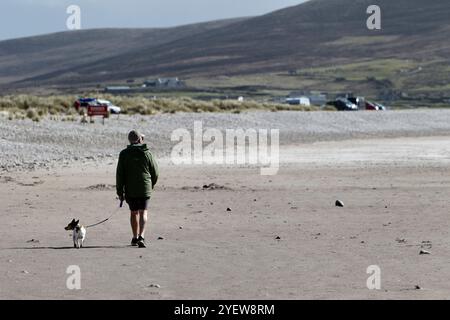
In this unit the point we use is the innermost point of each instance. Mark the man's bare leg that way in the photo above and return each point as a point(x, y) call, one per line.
point(142, 222)
point(134, 223)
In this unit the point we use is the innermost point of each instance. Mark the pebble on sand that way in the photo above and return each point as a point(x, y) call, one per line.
point(339, 203)
point(424, 252)
point(278, 238)
point(154, 286)
point(160, 238)
point(228, 209)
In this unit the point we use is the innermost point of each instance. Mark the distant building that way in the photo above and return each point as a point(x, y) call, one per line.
point(163, 83)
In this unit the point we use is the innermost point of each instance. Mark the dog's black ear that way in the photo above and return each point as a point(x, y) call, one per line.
point(73, 220)
point(76, 222)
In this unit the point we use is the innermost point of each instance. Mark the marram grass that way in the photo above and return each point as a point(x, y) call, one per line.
point(61, 106)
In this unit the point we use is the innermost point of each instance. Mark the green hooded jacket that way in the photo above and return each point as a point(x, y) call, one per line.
point(137, 172)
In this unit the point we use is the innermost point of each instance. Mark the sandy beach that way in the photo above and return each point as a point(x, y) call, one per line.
point(284, 238)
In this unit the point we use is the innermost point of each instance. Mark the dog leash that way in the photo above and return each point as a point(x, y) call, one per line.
point(103, 221)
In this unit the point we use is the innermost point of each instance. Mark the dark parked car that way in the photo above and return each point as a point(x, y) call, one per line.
point(342, 104)
point(359, 101)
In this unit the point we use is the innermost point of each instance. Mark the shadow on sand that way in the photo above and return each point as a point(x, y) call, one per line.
point(68, 248)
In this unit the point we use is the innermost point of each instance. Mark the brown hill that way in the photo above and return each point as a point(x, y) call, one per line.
point(315, 33)
point(61, 55)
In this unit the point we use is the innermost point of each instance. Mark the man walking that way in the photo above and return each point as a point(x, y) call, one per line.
point(136, 176)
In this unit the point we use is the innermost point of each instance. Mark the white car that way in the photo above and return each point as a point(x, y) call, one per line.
point(111, 107)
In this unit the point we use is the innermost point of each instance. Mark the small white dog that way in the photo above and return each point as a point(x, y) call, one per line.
point(79, 233)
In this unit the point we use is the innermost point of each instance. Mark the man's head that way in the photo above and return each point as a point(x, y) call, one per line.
point(135, 137)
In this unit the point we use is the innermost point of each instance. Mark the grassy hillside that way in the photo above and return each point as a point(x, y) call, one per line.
point(325, 41)
point(60, 55)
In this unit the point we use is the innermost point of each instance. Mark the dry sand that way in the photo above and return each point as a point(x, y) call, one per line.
point(396, 195)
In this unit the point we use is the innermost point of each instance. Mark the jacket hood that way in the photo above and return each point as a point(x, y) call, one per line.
point(140, 147)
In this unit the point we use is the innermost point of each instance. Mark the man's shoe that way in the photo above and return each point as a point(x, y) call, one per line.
point(141, 242)
point(134, 242)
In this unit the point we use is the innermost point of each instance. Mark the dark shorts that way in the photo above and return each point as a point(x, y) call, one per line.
point(136, 204)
